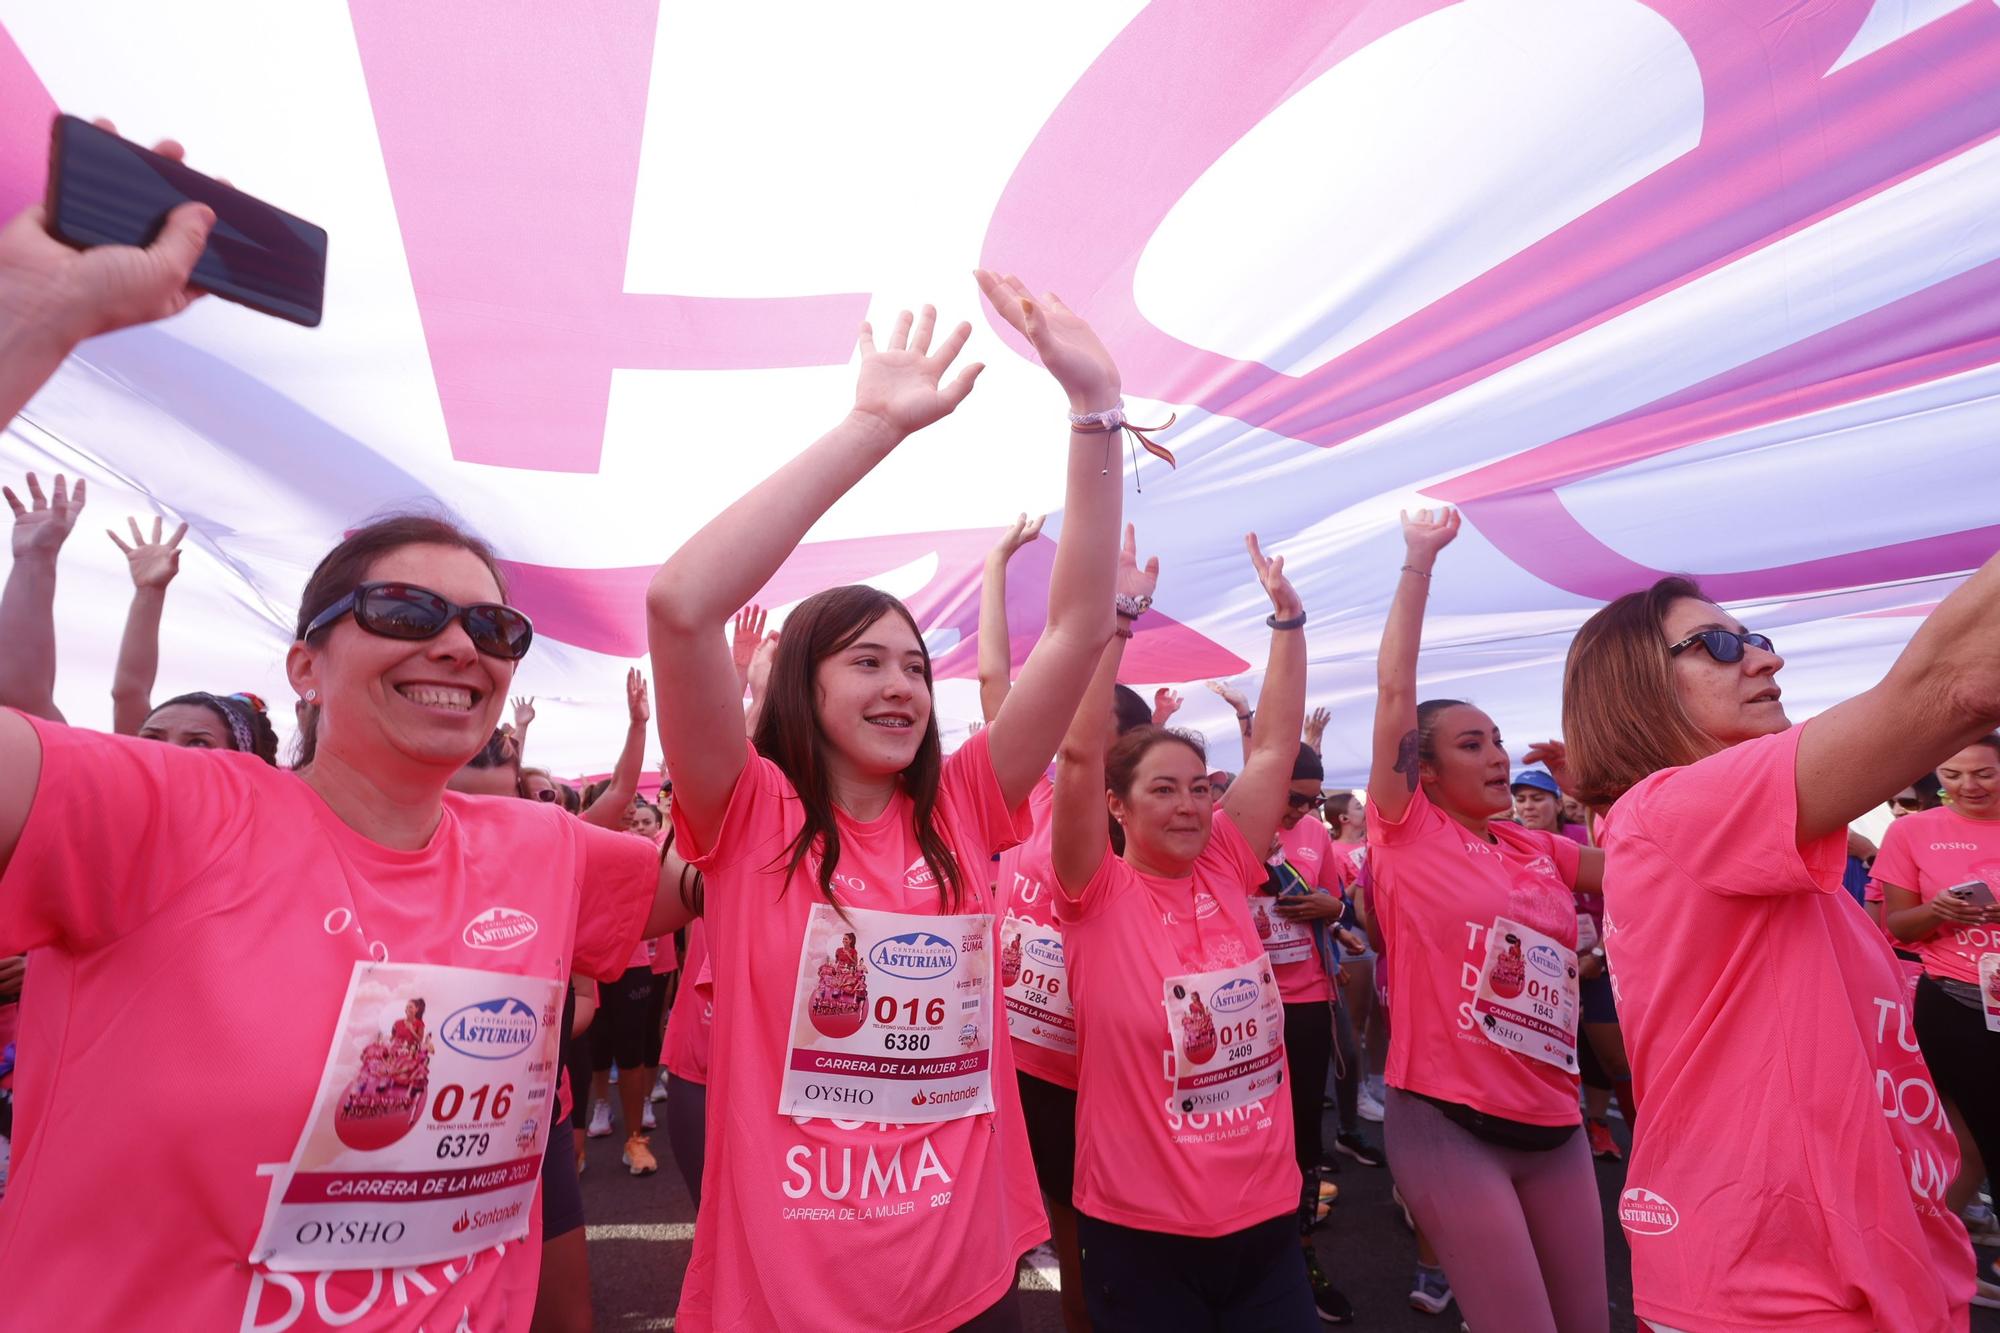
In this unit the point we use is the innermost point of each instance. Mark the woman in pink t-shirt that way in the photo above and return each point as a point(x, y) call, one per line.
point(866, 1165)
point(1188, 1200)
point(1478, 916)
point(1791, 1162)
point(1938, 871)
point(352, 884)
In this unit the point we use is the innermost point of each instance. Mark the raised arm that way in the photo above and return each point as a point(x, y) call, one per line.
point(1256, 800)
point(1941, 694)
point(1315, 732)
point(153, 565)
point(723, 566)
point(28, 603)
point(996, 645)
point(615, 801)
point(760, 682)
point(1392, 774)
point(524, 717)
point(1079, 835)
point(745, 635)
point(1239, 705)
point(1030, 724)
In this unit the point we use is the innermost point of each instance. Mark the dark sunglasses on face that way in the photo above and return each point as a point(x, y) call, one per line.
point(405, 611)
point(1723, 645)
point(1907, 803)
point(1298, 802)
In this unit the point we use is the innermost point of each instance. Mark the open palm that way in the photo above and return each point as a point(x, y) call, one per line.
point(1069, 348)
point(900, 383)
point(43, 524)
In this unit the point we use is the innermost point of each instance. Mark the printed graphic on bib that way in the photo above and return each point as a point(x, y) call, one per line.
point(1989, 989)
point(1036, 985)
point(892, 1018)
point(426, 1138)
point(1527, 995)
point(1284, 940)
point(1227, 1030)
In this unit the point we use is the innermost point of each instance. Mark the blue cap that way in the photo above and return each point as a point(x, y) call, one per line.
point(1540, 781)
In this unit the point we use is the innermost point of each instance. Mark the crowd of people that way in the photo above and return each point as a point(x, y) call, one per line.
point(1066, 985)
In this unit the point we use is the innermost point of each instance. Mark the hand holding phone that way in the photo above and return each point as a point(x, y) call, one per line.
point(1964, 904)
point(128, 210)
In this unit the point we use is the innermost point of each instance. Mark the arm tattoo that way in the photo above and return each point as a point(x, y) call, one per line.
point(1406, 758)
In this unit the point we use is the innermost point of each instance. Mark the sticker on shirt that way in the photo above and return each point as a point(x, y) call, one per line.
point(1527, 995)
point(1284, 940)
point(1989, 989)
point(1036, 986)
point(891, 1018)
point(1227, 1031)
point(426, 1137)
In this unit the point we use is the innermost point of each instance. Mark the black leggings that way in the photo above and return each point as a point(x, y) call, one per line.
point(687, 1128)
point(1308, 1052)
point(1964, 1059)
point(576, 1059)
point(1249, 1281)
point(627, 1027)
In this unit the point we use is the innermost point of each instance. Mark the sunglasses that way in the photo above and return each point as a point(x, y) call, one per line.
point(1722, 644)
point(1298, 802)
point(1907, 803)
point(405, 611)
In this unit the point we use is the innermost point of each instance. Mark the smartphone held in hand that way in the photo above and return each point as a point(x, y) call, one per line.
point(1974, 892)
point(104, 190)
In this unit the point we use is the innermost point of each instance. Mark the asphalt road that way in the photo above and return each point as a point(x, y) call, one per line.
point(640, 1231)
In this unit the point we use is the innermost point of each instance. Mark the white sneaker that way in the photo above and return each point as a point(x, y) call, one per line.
point(600, 1121)
point(646, 1117)
point(660, 1087)
point(1368, 1107)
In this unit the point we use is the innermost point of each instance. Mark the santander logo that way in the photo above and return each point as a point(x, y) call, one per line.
point(1645, 1213)
point(499, 928)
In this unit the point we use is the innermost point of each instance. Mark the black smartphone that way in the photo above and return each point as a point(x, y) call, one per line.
point(104, 190)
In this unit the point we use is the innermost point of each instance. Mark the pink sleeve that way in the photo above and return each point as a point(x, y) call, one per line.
point(1893, 863)
point(1420, 819)
point(970, 791)
point(1567, 854)
point(1112, 874)
point(752, 809)
point(118, 829)
point(617, 876)
point(1230, 853)
point(1731, 822)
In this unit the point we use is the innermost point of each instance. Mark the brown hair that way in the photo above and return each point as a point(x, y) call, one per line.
point(1121, 765)
point(1622, 716)
point(345, 568)
point(790, 736)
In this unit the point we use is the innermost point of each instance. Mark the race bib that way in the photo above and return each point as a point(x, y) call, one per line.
point(1226, 1031)
point(1285, 940)
point(1989, 989)
point(891, 1018)
point(427, 1135)
point(1527, 996)
point(1036, 985)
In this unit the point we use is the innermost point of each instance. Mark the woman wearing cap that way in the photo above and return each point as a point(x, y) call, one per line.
point(1765, 1017)
point(1479, 921)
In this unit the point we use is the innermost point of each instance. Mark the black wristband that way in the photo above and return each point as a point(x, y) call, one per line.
point(1296, 622)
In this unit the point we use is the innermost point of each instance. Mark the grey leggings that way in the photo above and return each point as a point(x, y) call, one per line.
point(1520, 1234)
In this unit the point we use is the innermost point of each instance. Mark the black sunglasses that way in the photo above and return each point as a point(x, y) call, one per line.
point(1298, 802)
point(1906, 803)
point(405, 611)
point(1723, 645)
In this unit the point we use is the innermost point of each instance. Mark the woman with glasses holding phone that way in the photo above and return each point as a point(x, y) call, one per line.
point(1791, 1166)
point(1926, 793)
point(340, 896)
point(1478, 920)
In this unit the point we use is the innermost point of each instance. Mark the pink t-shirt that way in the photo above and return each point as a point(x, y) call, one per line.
point(836, 1224)
point(1789, 1166)
point(1140, 1161)
point(1438, 887)
point(1026, 884)
point(195, 918)
point(1309, 848)
point(1928, 852)
point(685, 1052)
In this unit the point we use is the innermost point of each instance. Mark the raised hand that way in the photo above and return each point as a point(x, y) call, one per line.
point(747, 633)
point(1427, 532)
point(154, 563)
point(974, 728)
point(1023, 531)
point(524, 710)
point(79, 293)
point(899, 384)
point(44, 524)
point(1316, 726)
point(637, 702)
point(1231, 696)
point(760, 662)
point(1166, 703)
point(1271, 573)
point(1070, 350)
point(1552, 755)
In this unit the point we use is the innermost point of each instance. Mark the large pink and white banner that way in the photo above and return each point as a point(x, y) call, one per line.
point(1672, 285)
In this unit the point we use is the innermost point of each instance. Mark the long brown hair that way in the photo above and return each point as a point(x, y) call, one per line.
point(790, 736)
point(345, 568)
point(1622, 716)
